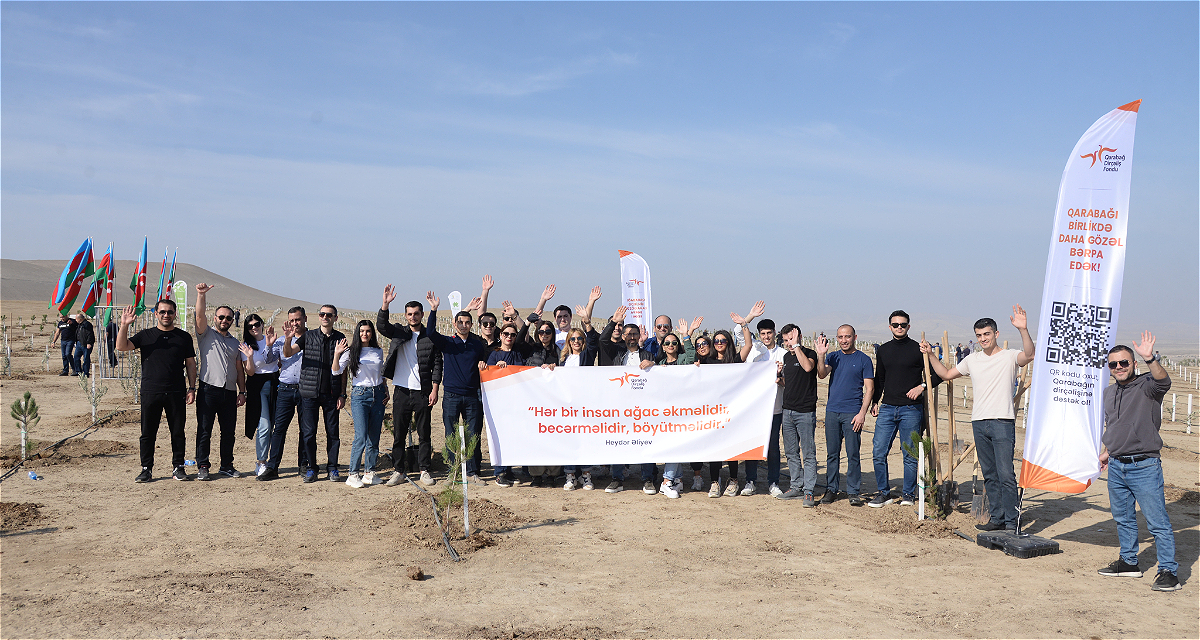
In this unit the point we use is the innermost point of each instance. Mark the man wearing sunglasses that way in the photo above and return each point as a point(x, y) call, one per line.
point(414, 365)
point(627, 353)
point(167, 352)
point(897, 404)
point(288, 400)
point(993, 372)
point(222, 385)
point(653, 344)
point(1132, 417)
point(320, 391)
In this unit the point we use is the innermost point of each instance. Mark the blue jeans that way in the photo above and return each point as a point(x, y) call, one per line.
point(470, 409)
point(892, 420)
point(772, 455)
point(1141, 482)
point(800, 445)
point(671, 470)
point(366, 405)
point(838, 426)
point(82, 358)
point(70, 364)
point(260, 412)
point(648, 472)
point(995, 440)
point(287, 402)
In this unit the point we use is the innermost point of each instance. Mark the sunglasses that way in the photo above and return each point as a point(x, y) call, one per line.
point(254, 325)
point(701, 343)
point(510, 318)
point(487, 324)
point(326, 314)
point(165, 312)
point(545, 332)
point(662, 326)
point(671, 343)
point(576, 338)
point(1113, 364)
point(508, 334)
point(224, 317)
point(720, 341)
point(899, 325)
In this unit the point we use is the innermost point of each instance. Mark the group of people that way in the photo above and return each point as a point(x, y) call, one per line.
point(309, 371)
point(77, 337)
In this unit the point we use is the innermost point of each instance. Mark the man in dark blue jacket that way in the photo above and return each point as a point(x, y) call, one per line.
point(461, 355)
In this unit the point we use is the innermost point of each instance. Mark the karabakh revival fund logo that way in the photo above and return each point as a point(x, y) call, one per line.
point(634, 282)
point(635, 381)
point(1110, 161)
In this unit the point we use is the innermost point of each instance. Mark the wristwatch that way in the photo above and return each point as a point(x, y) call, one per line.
point(1152, 359)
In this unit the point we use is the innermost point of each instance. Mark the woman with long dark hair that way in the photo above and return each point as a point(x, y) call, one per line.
point(726, 352)
point(260, 361)
point(368, 398)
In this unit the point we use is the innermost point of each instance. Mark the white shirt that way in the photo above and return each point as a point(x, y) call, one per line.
point(992, 378)
point(289, 373)
point(370, 367)
point(266, 357)
point(760, 353)
point(560, 338)
point(408, 372)
point(572, 361)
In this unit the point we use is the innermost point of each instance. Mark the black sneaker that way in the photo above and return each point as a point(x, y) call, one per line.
point(202, 474)
point(334, 475)
point(269, 474)
point(829, 497)
point(310, 475)
point(1166, 581)
point(230, 473)
point(144, 476)
point(991, 526)
point(1120, 569)
point(504, 480)
point(856, 500)
point(880, 500)
point(791, 494)
point(180, 474)
point(537, 482)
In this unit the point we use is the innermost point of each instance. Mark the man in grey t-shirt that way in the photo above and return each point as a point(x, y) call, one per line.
point(222, 385)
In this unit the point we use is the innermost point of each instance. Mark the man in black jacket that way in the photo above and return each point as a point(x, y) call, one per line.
point(85, 341)
point(627, 353)
point(414, 365)
point(320, 390)
point(899, 383)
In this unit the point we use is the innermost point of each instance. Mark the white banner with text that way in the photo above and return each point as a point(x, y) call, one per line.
point(615, 415)
point(635, 290)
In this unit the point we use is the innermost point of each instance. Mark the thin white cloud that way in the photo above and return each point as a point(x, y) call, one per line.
point(554, 76)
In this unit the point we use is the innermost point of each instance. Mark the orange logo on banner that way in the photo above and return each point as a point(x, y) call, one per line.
point(1096, 155)
point(625, 378)
point(634, 282)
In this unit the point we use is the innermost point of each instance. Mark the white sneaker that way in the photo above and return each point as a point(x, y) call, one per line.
point(587, 482)
point(397, 478)
point(368, 479)
point(731, 488)
point(774, 490)
point(427, 479)
point(670, 489)
point(353, 480)
point(715, 490)
point(697, 483)
point(749, 489)
point(259, 469)
point(570, 485)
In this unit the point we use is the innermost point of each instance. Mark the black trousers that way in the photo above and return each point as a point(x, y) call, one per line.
point(220, 405)
point(174, 403)
point(326, 404)
point(410, 409)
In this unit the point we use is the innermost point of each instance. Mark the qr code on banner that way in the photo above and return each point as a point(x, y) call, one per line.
point(1078, 334)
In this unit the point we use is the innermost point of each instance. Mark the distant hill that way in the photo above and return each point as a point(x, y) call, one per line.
point(36, 279)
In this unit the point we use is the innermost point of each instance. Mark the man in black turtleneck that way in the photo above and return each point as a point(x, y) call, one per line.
point(899, 383)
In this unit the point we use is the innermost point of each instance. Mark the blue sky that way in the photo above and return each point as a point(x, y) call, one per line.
point(838, 160)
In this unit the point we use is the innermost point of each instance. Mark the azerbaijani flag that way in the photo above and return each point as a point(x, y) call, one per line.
point(81, 266)
point(166, 293)
point(103, 281)
point(138, 283)
point(110, 274)
point(162, 274)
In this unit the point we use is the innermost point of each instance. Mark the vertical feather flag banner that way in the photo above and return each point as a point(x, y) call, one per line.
point(162, 275)
point(635, 289)
point(1081, 300)
point(138, 284)
point(166, 292)
point(80, 267)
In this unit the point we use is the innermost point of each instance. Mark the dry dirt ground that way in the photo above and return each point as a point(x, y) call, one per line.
point(85, 552)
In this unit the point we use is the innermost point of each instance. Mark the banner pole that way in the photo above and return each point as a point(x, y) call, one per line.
point(953, 435)
point(931, 410)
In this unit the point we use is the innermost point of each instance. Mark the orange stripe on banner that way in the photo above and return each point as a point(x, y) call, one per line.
point(495, 373)
point(1035, 477)
point(757, 453)
point(1132, 106)
point(623, 252)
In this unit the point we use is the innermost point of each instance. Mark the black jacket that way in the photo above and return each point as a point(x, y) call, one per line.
point(614, 352)
point(85, 334)
point(429, 357)
point(317, 363)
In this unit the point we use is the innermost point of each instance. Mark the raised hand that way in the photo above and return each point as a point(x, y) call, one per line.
point(340, 348)
point(475, 304)
point(683, 331)
point(1018, 318)
point(581, 313)
point(756, 310)
point(433, 300)
point(645, 335)
point(1146, 348)
point(246, 351)
point(270, 335)
point(822, 345)
point(595, 294)
point(487, 282)
point(289, 331)
point(508, 309)
point(619, 314)
point(389, 295)
point(547, 293)
point(127, 316)
point(202, 288)
point(695, 325)
point(737, 319)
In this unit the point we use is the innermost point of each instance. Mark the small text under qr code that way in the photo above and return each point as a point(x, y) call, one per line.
point(1078, 334)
